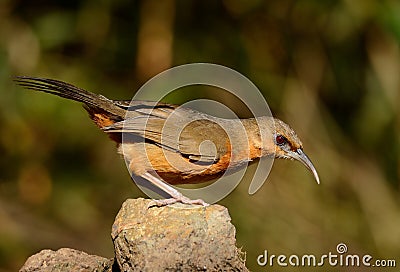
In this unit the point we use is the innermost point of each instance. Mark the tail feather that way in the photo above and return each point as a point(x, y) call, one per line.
point(92, 101)
point(58, 88)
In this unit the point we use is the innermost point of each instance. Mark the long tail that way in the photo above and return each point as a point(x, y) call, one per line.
point(69, 91)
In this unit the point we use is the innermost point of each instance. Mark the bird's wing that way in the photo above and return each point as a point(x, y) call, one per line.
point(195, 135)
point(145, 108)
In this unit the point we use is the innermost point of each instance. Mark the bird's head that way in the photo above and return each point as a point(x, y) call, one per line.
point(289, 146)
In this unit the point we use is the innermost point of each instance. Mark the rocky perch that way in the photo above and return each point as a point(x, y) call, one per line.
point(172, 238)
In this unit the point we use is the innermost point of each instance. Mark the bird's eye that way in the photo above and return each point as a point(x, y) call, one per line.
point(280, 140)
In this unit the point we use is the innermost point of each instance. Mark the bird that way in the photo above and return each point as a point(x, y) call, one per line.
point(166, 144)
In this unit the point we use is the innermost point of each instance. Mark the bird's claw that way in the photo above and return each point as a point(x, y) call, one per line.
point(180, 199)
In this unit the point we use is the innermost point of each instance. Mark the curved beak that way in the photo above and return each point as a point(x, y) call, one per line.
point(300, 156)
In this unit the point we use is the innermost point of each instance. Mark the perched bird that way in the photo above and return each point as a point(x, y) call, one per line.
point(165, 143)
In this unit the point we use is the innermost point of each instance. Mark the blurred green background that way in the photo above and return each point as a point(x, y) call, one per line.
point(330, 69)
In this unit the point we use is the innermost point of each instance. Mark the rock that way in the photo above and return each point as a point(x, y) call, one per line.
point(66, 259)
point(175, 238)
point(171, 238)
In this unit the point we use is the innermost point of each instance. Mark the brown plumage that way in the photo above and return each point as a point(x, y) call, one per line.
point(179, 144)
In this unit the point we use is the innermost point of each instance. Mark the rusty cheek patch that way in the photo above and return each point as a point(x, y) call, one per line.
point(294, 147)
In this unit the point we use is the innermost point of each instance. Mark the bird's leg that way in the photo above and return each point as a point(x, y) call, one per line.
point(176, 197)
point(175, 194)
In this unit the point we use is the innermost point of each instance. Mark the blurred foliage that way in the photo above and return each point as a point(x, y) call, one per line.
point(329, 68)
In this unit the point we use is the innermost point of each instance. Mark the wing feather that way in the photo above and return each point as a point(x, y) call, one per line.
point(193, 134)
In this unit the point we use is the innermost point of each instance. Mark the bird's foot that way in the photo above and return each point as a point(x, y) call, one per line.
point(181, 199)
point(176, 196)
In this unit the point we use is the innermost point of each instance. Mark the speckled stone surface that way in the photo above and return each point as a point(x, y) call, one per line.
point(66, 259)
point(175, 238)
